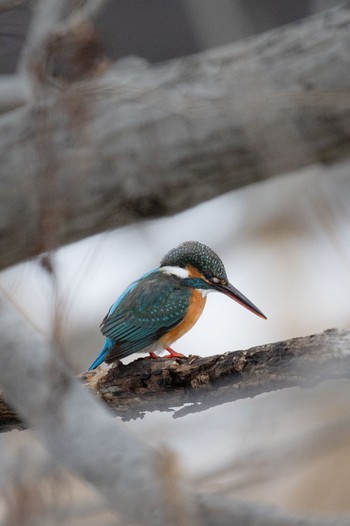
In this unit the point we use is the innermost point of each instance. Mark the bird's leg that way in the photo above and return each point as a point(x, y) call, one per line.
point(152, 355)
point(174, 354)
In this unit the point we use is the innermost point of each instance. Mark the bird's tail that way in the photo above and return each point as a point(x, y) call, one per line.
point(106, 349)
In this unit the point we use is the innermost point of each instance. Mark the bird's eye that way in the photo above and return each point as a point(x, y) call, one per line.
point(215, 280)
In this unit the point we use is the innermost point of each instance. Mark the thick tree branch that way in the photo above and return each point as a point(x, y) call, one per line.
point(160, 385)
point(149, 385)
point(150, 141)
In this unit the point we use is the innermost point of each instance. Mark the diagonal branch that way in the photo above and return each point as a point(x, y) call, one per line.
point(150, 385)
point(146, 142)
point(160, 385)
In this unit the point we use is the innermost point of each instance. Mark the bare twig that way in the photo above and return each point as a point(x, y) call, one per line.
point(56, 26)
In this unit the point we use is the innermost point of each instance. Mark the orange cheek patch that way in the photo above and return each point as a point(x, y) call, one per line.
point(194, 273)
point(195, 310)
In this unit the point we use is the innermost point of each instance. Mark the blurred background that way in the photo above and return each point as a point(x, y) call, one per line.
point(285, 244)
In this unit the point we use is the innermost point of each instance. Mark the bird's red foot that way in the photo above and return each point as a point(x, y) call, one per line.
point(152, 355)
point(174, 354)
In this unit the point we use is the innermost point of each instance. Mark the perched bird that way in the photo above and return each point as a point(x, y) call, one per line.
point(161, 306)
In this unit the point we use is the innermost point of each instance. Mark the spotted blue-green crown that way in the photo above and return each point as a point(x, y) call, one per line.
point(199, 256)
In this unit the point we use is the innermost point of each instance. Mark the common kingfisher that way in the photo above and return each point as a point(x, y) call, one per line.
point(157, 309)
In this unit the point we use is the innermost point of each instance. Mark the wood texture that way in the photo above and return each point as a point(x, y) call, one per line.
point(142, 142)
point(160, 385)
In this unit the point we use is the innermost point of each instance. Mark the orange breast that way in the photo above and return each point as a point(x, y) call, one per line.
point(195, 310)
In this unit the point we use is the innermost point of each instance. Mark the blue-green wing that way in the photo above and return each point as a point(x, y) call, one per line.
point(147, 310)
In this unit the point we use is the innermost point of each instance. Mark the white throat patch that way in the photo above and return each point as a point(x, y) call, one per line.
point(205, 292)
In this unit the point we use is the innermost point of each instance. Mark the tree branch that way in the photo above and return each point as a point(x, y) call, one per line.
point(191, 129)
point(160, 385)
point(14, 92)
point(57, 25)
point(215, 509)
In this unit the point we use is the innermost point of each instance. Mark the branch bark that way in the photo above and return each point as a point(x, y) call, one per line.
point(150, 141)
point(160, 385)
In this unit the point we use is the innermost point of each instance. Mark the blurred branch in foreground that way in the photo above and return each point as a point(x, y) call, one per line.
point(55, 26)
point(82, 434)
point(160, 385)
point(193, 128)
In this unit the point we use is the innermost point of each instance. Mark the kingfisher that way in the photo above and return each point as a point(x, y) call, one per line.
point(157, 309)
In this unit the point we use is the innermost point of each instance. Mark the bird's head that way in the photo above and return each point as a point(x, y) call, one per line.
point(201, 268)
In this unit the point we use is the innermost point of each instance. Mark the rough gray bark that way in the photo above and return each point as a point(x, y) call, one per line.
point(160, 385)
point(142, 142)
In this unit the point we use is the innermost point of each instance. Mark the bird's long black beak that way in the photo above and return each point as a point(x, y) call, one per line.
point(234, 294)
